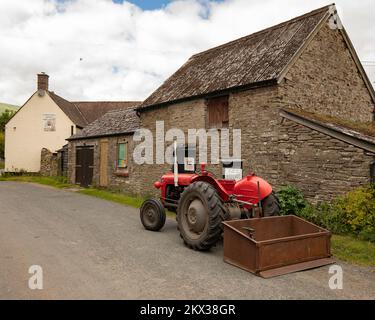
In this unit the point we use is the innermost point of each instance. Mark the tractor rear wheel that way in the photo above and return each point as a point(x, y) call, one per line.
point(152, 214)
point(199, 215)
point(271, 206)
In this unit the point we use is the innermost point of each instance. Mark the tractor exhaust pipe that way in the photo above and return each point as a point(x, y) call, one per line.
point(175, 165)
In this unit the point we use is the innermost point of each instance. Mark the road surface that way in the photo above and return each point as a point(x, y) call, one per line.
point(90, 248)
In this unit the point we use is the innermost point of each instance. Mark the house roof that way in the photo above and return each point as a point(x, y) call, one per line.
point(338, 131)
point(93, 110)
point(83, 113)
point(70, 109)
point(115, 122)
point(256, 59)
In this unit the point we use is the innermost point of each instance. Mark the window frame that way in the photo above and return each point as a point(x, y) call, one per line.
point(125, 159)
point(218, 112)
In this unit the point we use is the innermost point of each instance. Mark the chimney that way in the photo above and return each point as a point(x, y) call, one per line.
point(43, 81)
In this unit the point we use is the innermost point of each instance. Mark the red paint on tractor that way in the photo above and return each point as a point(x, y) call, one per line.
point(245, 190)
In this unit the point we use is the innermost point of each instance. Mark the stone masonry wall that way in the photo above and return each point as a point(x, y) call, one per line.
point(48, 163)
point(186, 115)
point(255, 112)
point(120, 180)
point(321, 166)
point(117, 180)
point(326, 80)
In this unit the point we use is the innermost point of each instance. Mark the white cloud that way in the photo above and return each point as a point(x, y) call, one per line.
point(98, 50)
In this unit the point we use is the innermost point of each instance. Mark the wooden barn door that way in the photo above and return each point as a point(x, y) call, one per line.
point(103, 175)
point(84, 165)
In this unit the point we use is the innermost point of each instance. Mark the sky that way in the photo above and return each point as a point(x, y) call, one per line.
point(123, 50)
point(147, 4)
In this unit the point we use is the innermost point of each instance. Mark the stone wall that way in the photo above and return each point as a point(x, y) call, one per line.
point(255, 112)
point(48, 163)
point(321, 166)
point(186, 115)
point(127, 181)
point(326, 80)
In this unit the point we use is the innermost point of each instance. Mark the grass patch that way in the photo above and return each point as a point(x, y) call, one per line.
point(114, 196)
point(57, 182)
point(61, 183)
point(119, 197)
point(352, 250)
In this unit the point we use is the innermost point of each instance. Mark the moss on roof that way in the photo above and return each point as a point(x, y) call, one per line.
point(366, 128)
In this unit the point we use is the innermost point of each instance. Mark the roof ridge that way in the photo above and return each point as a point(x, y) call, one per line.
point(279, 25)
point(108, 101)
point(55, 94)
point(70, 102)
point(80, 112)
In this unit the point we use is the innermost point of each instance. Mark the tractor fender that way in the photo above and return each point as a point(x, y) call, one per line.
point(212, 181)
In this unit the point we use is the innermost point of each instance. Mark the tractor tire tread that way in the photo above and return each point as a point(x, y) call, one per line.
point(217, 215)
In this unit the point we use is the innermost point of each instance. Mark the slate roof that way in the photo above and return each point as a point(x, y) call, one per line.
point(93, 110)
point(115, 122)
point(70, 109)
point(83, 113)
point(255, 59)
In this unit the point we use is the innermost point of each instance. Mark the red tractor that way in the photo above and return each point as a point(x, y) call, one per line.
point(202, 202)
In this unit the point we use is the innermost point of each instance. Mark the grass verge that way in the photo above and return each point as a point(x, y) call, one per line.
point(352, 250)
point(119, 197)
point(114, 196)
point(345, 248)
point(57, 182)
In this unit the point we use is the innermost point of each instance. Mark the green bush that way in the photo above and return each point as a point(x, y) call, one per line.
point(353, 213)
point(291, 200)
point(358, 207)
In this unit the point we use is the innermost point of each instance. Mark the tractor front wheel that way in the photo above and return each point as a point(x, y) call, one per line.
point(199, 215)
point(153, 214)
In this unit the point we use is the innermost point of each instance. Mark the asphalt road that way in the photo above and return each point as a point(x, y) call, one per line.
point(94, 249)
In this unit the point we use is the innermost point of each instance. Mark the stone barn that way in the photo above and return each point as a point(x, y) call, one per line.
point(297, 91)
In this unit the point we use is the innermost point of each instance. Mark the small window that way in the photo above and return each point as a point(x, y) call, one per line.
point(122, 155)
point(217, 109)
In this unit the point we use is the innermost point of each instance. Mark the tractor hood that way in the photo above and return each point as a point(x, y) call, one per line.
point(247, 189)
point(184, 179)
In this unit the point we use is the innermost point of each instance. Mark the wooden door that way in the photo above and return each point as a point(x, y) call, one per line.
point(103, 173)
point(84, 165)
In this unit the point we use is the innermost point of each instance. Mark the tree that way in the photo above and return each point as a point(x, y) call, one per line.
point(4, 118)
point(2, 145)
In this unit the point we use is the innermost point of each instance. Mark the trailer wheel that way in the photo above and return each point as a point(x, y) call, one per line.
point(152, 214)
point(271, 206)
point(200, 214)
